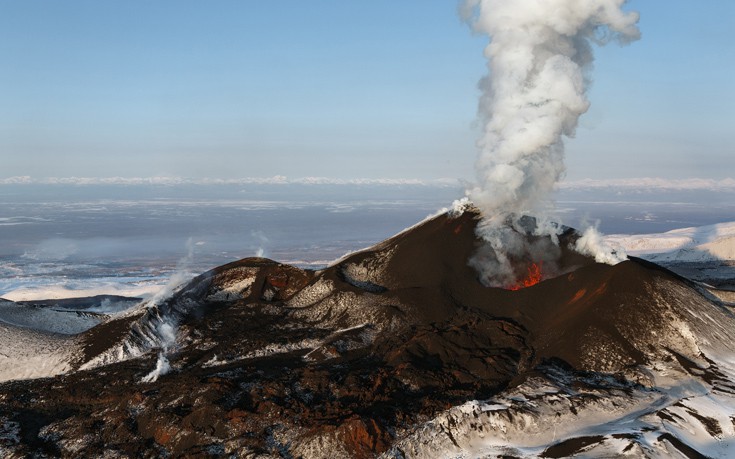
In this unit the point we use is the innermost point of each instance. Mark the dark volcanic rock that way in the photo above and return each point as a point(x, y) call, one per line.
point(349, 361)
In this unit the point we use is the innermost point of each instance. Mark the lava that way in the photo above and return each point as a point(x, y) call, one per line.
point(534, 277)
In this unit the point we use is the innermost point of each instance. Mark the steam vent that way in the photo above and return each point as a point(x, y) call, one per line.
point(396, 351)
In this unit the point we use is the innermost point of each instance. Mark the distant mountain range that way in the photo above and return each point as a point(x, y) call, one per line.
point(705, 243)
point(705, 254)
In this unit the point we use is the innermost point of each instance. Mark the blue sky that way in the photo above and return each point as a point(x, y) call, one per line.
point(342, 89)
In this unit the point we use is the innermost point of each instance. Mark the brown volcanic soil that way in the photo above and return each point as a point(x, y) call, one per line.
point(344, 360)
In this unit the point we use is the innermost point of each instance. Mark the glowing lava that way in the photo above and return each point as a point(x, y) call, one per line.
point(534, 277)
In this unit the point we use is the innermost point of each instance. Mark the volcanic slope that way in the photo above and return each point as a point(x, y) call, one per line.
point(400, 351)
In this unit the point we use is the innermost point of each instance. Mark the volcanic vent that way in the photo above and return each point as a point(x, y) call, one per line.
point(400, 350)
point(535, 275)
point(521, 252)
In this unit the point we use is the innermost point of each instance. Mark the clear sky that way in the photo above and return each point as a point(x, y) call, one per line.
point(341, 89)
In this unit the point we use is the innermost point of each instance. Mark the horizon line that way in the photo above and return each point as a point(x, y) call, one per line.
point(587, 183)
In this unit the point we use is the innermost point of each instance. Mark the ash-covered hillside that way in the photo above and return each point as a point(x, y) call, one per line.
point(395, 351)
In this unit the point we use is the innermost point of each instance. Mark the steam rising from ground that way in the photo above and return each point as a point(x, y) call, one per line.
point(592, 243)
point(167, 333)
point(166, 326)
point(539, 59)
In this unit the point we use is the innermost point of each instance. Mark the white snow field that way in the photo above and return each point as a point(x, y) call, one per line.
point(711, 243)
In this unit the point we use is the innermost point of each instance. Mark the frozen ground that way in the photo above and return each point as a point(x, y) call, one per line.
point(74, 240)
point(71, 241)
point(697, 244)
point(705, 253)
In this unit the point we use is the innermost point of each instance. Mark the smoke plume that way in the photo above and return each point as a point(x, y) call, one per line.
point(163, 327)
point(539, 59)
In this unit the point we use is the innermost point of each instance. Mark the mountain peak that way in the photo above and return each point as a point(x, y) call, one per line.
point(386, 346)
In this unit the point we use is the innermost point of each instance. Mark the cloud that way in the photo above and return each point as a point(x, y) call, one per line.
point(650, 183)
point(275, 180)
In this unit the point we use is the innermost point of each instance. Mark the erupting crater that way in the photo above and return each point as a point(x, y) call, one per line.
point(398, 351)
point(533, 277)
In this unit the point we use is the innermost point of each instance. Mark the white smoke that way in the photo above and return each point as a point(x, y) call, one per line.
point(179, 277)
point(592, 243)
point(539, 58)
point(458, 207)
point(511, 247)
point(162, 367)
point(165, 330)
point(263, 243)
point(166, 336)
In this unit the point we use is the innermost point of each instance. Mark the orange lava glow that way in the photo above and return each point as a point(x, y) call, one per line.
point(534, 277)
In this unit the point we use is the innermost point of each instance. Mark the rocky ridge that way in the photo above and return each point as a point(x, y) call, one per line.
point(396, 350)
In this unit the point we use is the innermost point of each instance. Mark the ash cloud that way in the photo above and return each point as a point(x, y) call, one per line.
point(539, 62)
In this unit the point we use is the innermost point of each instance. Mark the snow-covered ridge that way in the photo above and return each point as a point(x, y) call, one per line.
point(59, 292)
point(697, 244)
point(560, 415)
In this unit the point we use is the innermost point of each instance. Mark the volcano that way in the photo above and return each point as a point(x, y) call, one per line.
point(395, 351)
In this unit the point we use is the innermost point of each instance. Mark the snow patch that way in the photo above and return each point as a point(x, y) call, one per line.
point(312, 294)
point(26, 353)
point(235, 290)
point(58, 292)
point(694, 244)
point(617, 418)
point(47, 319)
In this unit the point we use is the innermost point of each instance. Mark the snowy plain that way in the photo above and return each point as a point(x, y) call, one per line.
point(62, 240)
point(696, 244)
